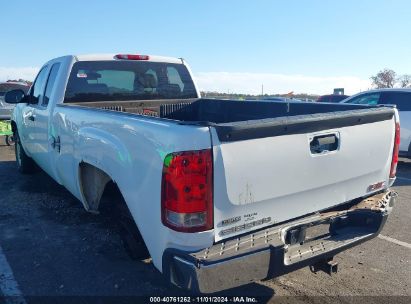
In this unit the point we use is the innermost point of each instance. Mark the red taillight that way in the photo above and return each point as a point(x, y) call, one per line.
point(132, 57)
point(394, 161)
point(187, 191)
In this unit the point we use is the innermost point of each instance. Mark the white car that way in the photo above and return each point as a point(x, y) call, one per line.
point(399, 97)
point(221, 192)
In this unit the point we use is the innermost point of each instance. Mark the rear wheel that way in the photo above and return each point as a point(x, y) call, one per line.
point(132, 240)
point(25, 164)
point(113, 205)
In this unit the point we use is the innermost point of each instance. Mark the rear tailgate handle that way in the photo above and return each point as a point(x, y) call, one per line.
point(322, 144)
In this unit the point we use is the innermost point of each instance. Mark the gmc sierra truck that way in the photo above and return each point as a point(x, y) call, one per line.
point(218, 192)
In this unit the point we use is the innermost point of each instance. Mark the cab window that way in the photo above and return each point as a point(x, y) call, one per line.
point(50, 83)
point(128, 80)
point(38, 86)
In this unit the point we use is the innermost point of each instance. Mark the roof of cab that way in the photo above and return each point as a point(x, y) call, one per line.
point(106, 57)
point(389, 90)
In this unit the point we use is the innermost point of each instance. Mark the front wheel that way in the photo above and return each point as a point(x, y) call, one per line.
point(10, 140)
point(25, 164)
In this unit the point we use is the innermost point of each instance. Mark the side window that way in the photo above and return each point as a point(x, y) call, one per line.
point(366, 99)
point(401, 99)
point(50, 83)
point(37, 88)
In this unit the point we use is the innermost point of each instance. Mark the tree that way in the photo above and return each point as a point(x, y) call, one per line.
point(404, 81)
point(28, 82)
point(384, 79)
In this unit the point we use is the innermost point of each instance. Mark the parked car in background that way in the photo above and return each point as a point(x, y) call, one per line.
point(332, 98)
point(399, 97)
point(5, 108)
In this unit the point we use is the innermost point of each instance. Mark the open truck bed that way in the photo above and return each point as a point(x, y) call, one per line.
point(277, 161)
point(220, 111)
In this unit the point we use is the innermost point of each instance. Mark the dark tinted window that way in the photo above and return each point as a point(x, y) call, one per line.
point(38, 86)
point(50, 83)
point(401, 99)
point(128, 80)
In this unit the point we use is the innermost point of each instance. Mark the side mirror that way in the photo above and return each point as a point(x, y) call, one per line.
point(14, 96)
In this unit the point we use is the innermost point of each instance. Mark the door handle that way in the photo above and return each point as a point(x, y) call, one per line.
point(324, 143)
point(55, 143)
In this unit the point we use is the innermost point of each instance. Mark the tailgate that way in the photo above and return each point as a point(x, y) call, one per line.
point(275, 170)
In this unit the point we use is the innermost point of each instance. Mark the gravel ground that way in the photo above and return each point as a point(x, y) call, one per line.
point(55, 248)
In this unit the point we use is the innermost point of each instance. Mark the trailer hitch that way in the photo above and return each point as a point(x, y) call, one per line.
point(328, 266)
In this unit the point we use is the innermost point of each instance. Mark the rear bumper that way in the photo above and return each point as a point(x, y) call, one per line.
point(279, 249)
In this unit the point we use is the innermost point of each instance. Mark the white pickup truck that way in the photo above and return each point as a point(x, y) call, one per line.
point(220, 192)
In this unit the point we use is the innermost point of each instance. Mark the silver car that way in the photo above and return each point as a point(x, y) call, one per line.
point(399, 97)
point(5, 108)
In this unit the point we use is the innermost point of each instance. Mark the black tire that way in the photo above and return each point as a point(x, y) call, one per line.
point(132, 240)
point(10, 140)
point(114, 208)
point(130, 235)
point(24, 163)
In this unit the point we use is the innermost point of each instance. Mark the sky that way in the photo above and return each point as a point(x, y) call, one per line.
point(236, 46)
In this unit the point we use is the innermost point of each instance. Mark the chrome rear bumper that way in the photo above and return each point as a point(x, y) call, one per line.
point(279, 249)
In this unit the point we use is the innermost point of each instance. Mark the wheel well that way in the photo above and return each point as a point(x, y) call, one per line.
point(13, 126)
point(111, 200)
point(103, 195)
point(93, 183)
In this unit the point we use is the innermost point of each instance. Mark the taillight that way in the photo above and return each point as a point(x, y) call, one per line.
point(187, 191)
point(394, 161)
point(131, 57)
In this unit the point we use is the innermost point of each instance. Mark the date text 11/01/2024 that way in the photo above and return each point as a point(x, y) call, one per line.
point(204, 299)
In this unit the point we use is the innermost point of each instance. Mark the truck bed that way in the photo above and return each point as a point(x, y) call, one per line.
point(277, 161)
point(240, 120)
point(220, 111)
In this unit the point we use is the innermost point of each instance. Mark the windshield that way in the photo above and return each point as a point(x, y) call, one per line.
point(128, 80)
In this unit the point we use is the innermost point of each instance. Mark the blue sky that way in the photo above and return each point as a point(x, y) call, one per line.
point(231, 45)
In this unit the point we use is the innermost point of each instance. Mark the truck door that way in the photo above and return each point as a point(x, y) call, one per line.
point(44, 141)
point(27, 131)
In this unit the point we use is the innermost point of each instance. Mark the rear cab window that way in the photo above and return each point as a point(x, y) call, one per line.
point(128, 80)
